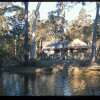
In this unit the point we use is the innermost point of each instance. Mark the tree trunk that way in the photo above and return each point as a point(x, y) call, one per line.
point(26, 48)
point(41, 44)
point(93, 54)
point(33, 43)
point(62, 28)
point(15, 46)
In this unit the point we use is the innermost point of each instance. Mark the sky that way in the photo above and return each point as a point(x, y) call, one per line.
point(69, 15)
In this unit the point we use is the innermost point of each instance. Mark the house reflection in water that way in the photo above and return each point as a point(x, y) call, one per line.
point(84, 83)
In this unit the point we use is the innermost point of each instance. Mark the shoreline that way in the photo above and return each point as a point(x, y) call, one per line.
point(47, 66)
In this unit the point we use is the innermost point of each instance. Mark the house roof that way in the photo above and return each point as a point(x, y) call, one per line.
point(58, 44)
point(45, 45)
point(77, 42)
point(52, 45)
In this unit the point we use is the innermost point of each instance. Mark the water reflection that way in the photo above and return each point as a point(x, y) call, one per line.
point(15, 84)
point(78, 85)
point(84, 83)
point(71, 82)
point(1, 85)
point(44, 85)
point(12, 84)
point(50, 84)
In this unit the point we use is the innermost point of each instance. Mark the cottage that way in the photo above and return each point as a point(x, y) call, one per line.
point(54, 48)
point(78, 48)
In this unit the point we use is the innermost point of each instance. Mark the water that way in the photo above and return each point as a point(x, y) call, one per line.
point(67, 83)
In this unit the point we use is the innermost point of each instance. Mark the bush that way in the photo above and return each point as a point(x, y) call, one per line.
point(3, 54)
point(41, 55)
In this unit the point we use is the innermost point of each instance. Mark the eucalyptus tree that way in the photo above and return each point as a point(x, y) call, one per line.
point(57, 17)
point(34, 33)
point(26, 45)
point(16, 26)
point(44, 32)
point(4, 6)
point(95, 26)
point(5, 9)
point(80, 27)
point(6, 19)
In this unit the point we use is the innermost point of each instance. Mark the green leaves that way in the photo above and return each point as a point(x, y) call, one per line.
point(57, 18)
point(14, 8)
point(81, 27)
point(3, 25)
point(3, 7)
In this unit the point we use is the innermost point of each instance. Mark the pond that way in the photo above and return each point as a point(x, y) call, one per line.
point(65, 83)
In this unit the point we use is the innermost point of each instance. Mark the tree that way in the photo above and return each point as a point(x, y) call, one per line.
point(3, 25)
point(16, 24)
point(3, 21)
point(34, 33)
point(10, 28)
point(57, 17)
point(26, 45)
point(93, 54)
point(81, 27)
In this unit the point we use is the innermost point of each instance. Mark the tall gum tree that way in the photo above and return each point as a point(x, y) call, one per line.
point(26, 46)
point(95, 26)
point(33, 42)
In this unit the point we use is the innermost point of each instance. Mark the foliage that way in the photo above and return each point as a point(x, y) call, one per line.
point(3, 25)
point(3, 7)
point(42, 30)
point(12, 33)
point(4, 50)
point(16, 33)
point(81, 27)
point(57, 18)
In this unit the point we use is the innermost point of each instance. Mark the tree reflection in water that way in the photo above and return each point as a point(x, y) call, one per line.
point(1, 85)
point(45, 84)
point(75, 81)
point(26, 78)
point(11, 84)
